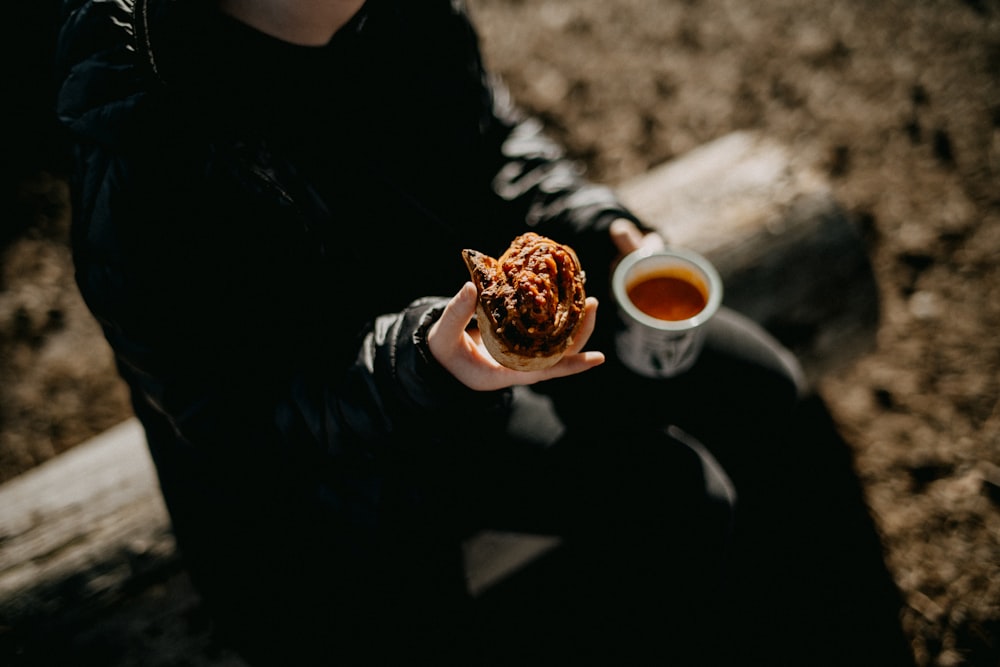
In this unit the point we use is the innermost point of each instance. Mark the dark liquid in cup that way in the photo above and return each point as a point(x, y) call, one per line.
point(667, 297)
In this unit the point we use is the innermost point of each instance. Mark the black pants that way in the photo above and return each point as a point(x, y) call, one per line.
point(713, 518)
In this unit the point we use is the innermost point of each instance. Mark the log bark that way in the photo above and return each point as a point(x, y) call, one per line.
point(89, 525)
point(82, 528)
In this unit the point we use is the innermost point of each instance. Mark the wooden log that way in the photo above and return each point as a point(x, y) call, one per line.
point(78, 529)
point(84, 527)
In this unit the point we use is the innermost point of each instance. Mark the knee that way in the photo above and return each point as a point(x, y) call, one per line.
point(719, 492)
point(772, 369)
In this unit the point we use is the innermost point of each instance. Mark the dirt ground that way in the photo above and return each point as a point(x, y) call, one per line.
point(898, 102)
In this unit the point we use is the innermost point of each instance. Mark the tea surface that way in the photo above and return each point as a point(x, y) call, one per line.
point(667, 298)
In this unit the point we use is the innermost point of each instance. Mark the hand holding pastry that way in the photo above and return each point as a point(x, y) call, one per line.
point(533, 315)
point(531, 301)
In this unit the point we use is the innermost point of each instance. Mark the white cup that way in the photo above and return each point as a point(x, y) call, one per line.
point(664, 299)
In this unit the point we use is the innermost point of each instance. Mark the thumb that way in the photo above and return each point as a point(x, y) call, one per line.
point(625, 235)
point(458, 313)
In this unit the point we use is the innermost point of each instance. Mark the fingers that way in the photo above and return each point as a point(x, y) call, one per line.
point(459, 311)
point(576, 363)
point(570, 364)
point(573, 361)
point(463, 355)
point(627, 237)
point(586, 327)
point(446, 338)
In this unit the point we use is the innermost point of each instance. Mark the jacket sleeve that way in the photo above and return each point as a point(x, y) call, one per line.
point(394, 391)
point(226, 349)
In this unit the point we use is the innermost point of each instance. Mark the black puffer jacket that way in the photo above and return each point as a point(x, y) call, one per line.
point(264, 232)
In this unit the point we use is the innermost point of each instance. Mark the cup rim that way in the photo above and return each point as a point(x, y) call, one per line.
point(698, 262)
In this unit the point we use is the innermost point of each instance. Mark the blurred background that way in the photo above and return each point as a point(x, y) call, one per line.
point(897, 103)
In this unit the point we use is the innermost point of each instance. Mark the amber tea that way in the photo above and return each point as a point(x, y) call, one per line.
point(670, 296)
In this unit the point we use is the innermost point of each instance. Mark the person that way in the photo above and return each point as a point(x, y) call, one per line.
point(270, 202)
